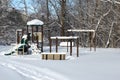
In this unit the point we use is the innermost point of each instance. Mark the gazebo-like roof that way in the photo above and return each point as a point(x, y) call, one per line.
point(35, 22)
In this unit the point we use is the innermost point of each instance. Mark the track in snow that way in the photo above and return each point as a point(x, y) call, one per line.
point(30, 71)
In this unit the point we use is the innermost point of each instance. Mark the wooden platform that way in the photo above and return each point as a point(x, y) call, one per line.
point(53, 56)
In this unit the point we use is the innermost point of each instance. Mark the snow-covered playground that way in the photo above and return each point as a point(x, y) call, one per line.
point(102, 64)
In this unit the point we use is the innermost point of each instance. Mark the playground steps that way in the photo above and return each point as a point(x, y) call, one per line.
point(53, 56)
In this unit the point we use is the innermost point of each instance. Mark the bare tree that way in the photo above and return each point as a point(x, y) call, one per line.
point(100, 15)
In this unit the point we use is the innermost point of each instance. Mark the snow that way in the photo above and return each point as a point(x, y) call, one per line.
point(64, 37)
point(80, 30)
point(104, 64)
point(35, 22)
point(53, 53)
point(65, 44)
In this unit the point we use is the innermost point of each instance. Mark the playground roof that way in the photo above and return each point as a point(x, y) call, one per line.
point(35, 22)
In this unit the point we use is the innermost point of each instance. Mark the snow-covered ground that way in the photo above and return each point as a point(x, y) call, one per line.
point(104, 64)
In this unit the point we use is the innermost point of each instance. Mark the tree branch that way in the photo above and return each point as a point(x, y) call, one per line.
point(110, 33)
point(111, 1)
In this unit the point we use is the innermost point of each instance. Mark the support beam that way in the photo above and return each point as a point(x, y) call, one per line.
point(22, 32)
point(77, 42)
point(32, 34)
point(94, 41)
point(50, 41)
point(56, 45)
point(27, 29)
point(42, 39)
point(71, 47)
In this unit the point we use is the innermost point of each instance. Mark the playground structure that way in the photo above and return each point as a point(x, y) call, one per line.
point(69, 39)
point(92, 36)
point(33, 38)
point(36, 35)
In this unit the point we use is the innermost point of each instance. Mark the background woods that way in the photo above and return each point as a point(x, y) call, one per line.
point(59, 15)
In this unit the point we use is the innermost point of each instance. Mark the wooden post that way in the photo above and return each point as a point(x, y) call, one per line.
point(27, 29)
point(56, 44)
point(22, 32)
point(49, 35)
point(67, 45)
point(42, 39)
point(94, 41)
point(50, 41)
point(90, 40)
point(17, 35)
point(77, 47)
point(32, 34)
point(67, 41)
point(36, 28)
point(37, 41)
point(71, 47)
point(23, 50)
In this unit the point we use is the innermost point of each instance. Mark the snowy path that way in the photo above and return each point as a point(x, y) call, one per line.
point(104, 64)
point(30, 72)
point(8, 74)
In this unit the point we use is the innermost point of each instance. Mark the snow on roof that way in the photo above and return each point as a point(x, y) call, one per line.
point(19, 30)
point(35, 22)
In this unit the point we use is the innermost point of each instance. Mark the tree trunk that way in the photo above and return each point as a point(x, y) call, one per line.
point(63, 9)
point(47, 20)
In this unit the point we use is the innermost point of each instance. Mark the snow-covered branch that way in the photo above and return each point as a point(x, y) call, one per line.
point(110, 33)
point(105, 14)
point(111, 1)
point(102, 18)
